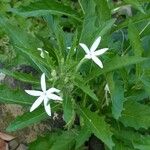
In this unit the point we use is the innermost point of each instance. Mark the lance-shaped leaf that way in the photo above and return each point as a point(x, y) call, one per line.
point(8, 95)
point(29, 118)
point(98, 126)
point(116, 63)
point(68, 108)
point(135, 40)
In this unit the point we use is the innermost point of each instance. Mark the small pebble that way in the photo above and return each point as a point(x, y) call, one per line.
point(13, 145)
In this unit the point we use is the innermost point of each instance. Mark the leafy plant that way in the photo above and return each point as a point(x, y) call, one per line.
point(108, 95)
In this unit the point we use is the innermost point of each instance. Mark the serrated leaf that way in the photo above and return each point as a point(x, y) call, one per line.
point(29, 118)
point(8, 95)
point(116, 63)
point(98, 126)
point(85, 88)
point(135, 115)
point(44, 7)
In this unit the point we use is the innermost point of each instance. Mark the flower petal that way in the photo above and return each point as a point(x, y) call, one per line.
point(97, 61)
point(33, 92)
point(47, 106)
point(54, 97)
point(37, 103)
point(100, 52)
point(43, 83)
point(85, 48)
point(95, 44)
point(52, 90)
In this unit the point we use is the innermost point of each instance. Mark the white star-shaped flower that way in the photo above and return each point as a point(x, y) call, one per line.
point(92, 53)
point(44, 96)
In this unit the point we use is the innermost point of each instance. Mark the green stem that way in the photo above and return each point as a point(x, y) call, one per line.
point(80, 64)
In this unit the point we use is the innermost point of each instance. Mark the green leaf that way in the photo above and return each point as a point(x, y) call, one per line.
point(105, 28)
point(55, 141)
point(117, 95)
point(44, 7)
point(122, 146)
point(130, 137)
point(24, 77)
point(135, 41)
point(68, 108)
point(44, 143)
point(116, 63)
point(8, 95)
point(25, 44)
point(82, 136)
point(135, 115)
point(97, 20)
point(66, 141)
point(102, 11)
point(29, 118)
point(85, 88)
point(117, 99)
point(73, 47)
point(60, 37)
point(98, 126)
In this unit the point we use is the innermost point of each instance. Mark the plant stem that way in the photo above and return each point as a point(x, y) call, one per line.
point(80, 64)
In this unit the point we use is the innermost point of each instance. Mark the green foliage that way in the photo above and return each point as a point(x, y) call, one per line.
point(14, 96)
point(117, 95)
point(98, 126)
point(133, 114)
point(119, 115)
point(43, 7)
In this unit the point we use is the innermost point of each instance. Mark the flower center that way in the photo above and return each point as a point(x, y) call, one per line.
point(45, 94)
